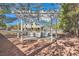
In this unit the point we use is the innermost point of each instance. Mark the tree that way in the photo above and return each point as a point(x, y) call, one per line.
point(68, 17)
point(5, 9)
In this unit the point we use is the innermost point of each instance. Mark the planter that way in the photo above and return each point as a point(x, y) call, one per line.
point(45, 34)
point(31, 34)
point(38, 34)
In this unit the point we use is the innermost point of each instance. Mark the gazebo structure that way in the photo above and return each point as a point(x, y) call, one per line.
point(26, 17)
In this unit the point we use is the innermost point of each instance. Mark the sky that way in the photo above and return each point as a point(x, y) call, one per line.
point(54, 6)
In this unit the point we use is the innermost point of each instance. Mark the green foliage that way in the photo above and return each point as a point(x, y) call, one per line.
point(5, 10)
point(3, 25)
point(68, 17)
point(56, 26)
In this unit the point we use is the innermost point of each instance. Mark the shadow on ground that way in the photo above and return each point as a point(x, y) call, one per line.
point(7, 48)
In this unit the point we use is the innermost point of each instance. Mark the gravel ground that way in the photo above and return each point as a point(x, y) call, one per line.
point(65, 46)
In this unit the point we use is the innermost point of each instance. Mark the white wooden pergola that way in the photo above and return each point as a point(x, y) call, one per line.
point(27, 14)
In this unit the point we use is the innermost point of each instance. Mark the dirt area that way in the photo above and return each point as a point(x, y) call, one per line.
point(65, 46)
point(7, 48)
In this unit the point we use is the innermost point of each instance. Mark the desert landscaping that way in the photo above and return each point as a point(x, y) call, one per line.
point(66, 46)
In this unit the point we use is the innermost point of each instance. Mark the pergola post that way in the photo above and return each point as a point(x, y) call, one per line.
point(21, 32)
point(56, 29)
point(51, 28)
point(18, 29)
point(18, 34)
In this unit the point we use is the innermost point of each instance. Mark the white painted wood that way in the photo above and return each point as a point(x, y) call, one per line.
point(18, 29)
point(21, 31)
point(38, 34)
